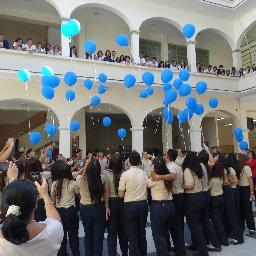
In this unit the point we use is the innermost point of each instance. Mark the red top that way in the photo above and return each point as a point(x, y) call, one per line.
point(252, 164)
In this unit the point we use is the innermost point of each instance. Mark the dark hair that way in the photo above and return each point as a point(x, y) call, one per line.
point(29, 39)
point(116, 166)
point(253, 154)
point(172, 154)
point(222, 160)
point(21, 193)
point(233, 163)
point(203, 158)
point(134, 158)
point(62, 171)
point(18, 154)
point(95, 186)
point(242, 161)
point(32, 165)
point(217, 170)
point(18, 39)
point(161, 169)
point(191, 162)
point(29, 150)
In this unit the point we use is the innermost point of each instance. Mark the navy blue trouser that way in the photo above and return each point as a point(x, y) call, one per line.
point(94, 222)
point(116, 227)
point(135, 219)
point(217, 213)
point(177, 227)
point(246, 214)
point(70, 222)
point(230, 213)
point(162, 216)
point(194, 209)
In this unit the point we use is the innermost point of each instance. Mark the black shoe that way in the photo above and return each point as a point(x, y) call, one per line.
point(235, 242)
point(251, 232)
point(214, 249)
point(191, 247)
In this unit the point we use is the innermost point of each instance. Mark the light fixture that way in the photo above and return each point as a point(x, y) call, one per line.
point(228, 125)
point(221, 118)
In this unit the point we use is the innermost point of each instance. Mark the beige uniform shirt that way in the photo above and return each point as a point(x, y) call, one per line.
point(134, 183)
point(215, 185)
point(69, 189)
point(232, 172)
point(158, 190)
point(147, 166)
point(178, 181)
point(205, 178)
point(111, 184)
point(191, 179)
point(245, 174)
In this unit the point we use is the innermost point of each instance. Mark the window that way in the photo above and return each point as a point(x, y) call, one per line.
point(151, 48)
point(248, 53)
point(202, 56)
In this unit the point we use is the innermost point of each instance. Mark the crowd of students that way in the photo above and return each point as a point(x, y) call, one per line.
point(111, 56)
point(40, 201)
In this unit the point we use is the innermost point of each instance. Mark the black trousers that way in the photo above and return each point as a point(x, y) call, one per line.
point(246, 214)
point(135, 219)
point(217, 213)
point(194, 209)
point(116, 228)
point(254, 184)
point(94, 222)
point(208, 227)
point(230, 215)
point(177, 226)
point(162, 216)
point(70, 222)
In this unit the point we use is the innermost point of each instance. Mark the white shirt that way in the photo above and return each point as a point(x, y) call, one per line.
point(41, 50)
point(154, 65)
point(31, 48)
point(103, 164)
point(142, 61)
point(174, 67)
point(45, 243)
point(1, 44)
point(178, 181)
point(19, 48)
point(147, 166)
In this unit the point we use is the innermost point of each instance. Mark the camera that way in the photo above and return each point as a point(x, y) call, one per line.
point(36, 176)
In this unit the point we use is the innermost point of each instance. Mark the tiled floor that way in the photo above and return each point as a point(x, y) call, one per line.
point(246, 249)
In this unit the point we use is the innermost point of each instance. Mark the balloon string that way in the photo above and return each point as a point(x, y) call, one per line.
point(182, 135)
point(28, 108)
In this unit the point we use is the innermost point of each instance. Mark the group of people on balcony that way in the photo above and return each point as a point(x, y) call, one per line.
point(111, 56)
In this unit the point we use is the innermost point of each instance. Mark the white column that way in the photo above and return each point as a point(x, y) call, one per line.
point(65, 48)
point(135, 45)
point(191, 55)
point(237, 58)
point(81, 40)
point(243, 117)
point(82, 132)
point(137, 139)
point(164, 47)
point(196, 134)
point(64, 141)
point(166, 136)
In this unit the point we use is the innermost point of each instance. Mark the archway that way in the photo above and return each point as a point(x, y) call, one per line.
point(162, 38)
point(159, 136)
point(19, 117)
point(217, 130)
point(214, 48)
point(93, 136)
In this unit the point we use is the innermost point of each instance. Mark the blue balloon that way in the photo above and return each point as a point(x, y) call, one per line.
point(191, 103)
point(102, 78)
point(185, 90)
point(184, 75)
point(199, 109)
point(74, 125)
point(213, 102)
point(70, 78)
point(65, 30)
point(88, 84)
point(188, 113)
point(51, 130)
point(90, 46)
point(166, 104)
point(167, 87)
point(49, 154)
point(182, 117)
point(238, 134)
point(52, 81)
point(48, 92)
point(148, 78)
point(170, 96)
point(150, 90)
point(189, 30)
point(102, 89)
point(168, 115)
point(47, 71)
point(177, 83)
point(144, 94)
point(24, 75)
point(122, 40)
point(122, 133)
point(201, 87)
point(244, 145)
point(166, 76)
point(74, 27)
point(129, 80)
point(70, 95)
point(107, 121)
point(35, 137)
point(95, 101)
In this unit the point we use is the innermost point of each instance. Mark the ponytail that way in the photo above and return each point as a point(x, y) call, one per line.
point(15, 230)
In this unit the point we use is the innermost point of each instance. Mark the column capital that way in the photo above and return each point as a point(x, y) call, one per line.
point(191, 42)
point(135, 32)
point(64, 128)
point(236, 51)
point(137, 129)
point(64, 19)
